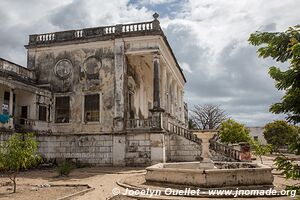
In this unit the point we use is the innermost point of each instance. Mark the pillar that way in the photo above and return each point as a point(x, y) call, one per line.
point(11, 102)
point(119, 92)
point(163, 86)
point(156, 81)
point(175, 100)
point(118, 150)
point(158, 148)
point(10, 107)
point(157, 111)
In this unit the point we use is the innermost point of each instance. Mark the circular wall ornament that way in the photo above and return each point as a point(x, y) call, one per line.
point(92, 67)
point(63, 68)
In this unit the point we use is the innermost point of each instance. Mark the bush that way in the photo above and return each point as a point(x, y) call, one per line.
point(279, 133)
point(233, 132)
point(65, 168)
point(17, 153)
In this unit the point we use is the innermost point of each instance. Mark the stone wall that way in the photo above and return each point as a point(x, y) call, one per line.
point(180, 149)
point(89, 149)
point(138, 149)
point(100, 149)
point(131, 149)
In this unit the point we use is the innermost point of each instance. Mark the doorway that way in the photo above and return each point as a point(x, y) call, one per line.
point(24, 114)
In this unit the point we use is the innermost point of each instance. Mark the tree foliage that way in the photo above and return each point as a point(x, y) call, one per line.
point(290, 169)
point(283, 47)
point(233, 132)
point(17, 153)
point(279, 133)
point(208, 116)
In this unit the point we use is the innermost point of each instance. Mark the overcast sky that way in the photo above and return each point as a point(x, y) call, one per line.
point(209, 39)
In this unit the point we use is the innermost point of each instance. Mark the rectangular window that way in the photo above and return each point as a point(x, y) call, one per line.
point(42, 113)
point(5, 105)
point(91, 107)
point(255, 138)
point(62, 109)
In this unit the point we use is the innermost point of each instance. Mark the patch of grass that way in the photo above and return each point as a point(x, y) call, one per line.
point(65, 168)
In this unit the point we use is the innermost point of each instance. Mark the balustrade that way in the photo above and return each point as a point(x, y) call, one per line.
point(93, 32)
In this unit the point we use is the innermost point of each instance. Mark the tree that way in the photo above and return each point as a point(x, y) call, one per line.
point(283, 47)
point(17, 153)
point(295, 145)
point(260, 149)
point(279, 133)
point(233, 132)
point(208, 116)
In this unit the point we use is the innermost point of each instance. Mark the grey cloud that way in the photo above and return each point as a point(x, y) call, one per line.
point(269, 27)
point(71, 16)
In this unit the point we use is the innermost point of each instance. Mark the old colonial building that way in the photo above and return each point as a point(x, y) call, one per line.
point(104, 95)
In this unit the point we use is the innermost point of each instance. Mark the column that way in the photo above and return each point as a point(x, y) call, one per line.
point(158, 148)
point(182, 107)
point(175, 100)
point(10, 108)
point(11, 102)
point(168, 93)
point(157, 111)
point(163, 86)
point(156, 81)
point(119, 94)
point(119, 150)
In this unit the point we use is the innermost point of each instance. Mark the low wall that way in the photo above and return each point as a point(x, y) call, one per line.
point(191, 174)
point(90, 149)
point(111, 149)
point(138, 149)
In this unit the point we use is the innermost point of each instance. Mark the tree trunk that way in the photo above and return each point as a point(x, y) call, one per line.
point(261, 160)
point(15, 184)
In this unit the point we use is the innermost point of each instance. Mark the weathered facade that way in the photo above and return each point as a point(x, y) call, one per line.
point(104, 95)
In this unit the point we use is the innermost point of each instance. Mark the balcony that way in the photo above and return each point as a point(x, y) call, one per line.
point(99, 33)
point(15, 70)
point(139, 124)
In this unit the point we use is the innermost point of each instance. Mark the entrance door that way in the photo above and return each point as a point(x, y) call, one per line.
point(24, 114)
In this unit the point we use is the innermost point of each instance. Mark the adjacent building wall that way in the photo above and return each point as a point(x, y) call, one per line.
point(76, 85)
point(257, 132)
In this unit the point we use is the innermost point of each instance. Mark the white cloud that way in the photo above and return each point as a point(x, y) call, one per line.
point(186, 67)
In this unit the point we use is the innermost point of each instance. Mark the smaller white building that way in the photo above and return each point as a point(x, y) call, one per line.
point(257, 134)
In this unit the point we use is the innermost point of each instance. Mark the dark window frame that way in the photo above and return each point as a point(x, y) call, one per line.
point(91, 107)
point(62, 109)
point(42, 113)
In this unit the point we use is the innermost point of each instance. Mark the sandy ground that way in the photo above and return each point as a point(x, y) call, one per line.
point(28, 192)
point(104, 179)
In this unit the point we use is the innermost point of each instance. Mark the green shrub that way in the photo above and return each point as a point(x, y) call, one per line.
point(17, 153)
point(65, 168)
point(233, 132)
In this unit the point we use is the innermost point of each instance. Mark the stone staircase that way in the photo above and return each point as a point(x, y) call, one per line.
point(175, 129)
point(227, 153)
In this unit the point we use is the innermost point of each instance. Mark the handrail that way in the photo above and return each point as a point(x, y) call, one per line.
point(26, 121)
point(225, 150)
point(94, 32)
point(173, 128)
point(20, 71)
point(138, 123)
